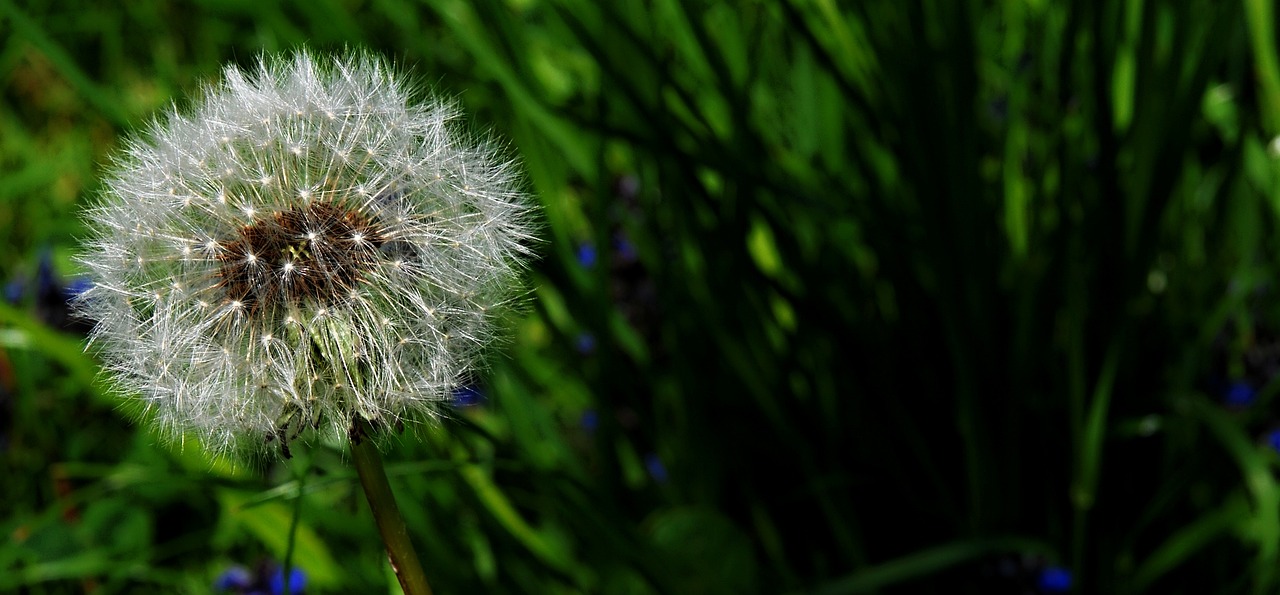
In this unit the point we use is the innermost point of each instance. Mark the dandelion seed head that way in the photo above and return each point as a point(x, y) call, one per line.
point(320, 202)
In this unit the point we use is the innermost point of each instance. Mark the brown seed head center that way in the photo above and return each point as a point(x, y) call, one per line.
point(316, 252)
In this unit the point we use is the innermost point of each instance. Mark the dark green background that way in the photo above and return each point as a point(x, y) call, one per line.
point(903, 295)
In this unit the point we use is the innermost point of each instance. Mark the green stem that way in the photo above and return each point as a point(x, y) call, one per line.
point(383, 504)
point(300, 478)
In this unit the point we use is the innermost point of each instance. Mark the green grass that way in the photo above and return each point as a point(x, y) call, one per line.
point(902, 295)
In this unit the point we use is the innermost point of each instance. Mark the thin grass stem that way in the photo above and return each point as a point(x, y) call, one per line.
point(300, 479)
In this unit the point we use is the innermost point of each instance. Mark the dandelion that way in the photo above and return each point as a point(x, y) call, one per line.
point(305, 248)
point(308, 248)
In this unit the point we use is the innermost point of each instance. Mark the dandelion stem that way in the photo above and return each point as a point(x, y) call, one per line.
point(373, 477)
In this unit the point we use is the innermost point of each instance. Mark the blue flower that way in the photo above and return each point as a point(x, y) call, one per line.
point(14, 290)
point(1054, 579)
point(590, 420)
point(236, 578)
point(47, 282)
point(657, 470)
point(626, 250)
point(467, 396)
point(585, 343)
point(297, 581)
point(1273, 439)
point(586, 255)
point(1239, 393)
point(76, 287)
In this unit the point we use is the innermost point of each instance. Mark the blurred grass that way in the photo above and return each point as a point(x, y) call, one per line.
point(886, 297)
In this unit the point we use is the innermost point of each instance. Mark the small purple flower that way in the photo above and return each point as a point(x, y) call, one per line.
point(625, 249)
point(76, 286)
point(585, 343)
point(236, 578)
point(467, 396)
point(47, 282)
point(297, 581)
point(657, 470)
point(14, 290)
point(627, 187)
point(1239, 394)
point(590, 420)
point(1273, 439)
point(586, 255)
point(1054, 579)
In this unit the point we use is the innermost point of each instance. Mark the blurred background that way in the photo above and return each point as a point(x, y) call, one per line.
point(888, 296)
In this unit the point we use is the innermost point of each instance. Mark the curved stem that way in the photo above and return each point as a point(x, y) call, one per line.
point(373, 478)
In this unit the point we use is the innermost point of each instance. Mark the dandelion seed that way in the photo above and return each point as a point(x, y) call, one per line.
point(284, 322)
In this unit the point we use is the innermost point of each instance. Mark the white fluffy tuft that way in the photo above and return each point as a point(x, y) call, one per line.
point(304, 246)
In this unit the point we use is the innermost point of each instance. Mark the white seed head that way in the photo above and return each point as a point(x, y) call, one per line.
point(243, 310)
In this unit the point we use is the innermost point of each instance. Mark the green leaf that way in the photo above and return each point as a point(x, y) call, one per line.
point(926, 562)
point(270, 522)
